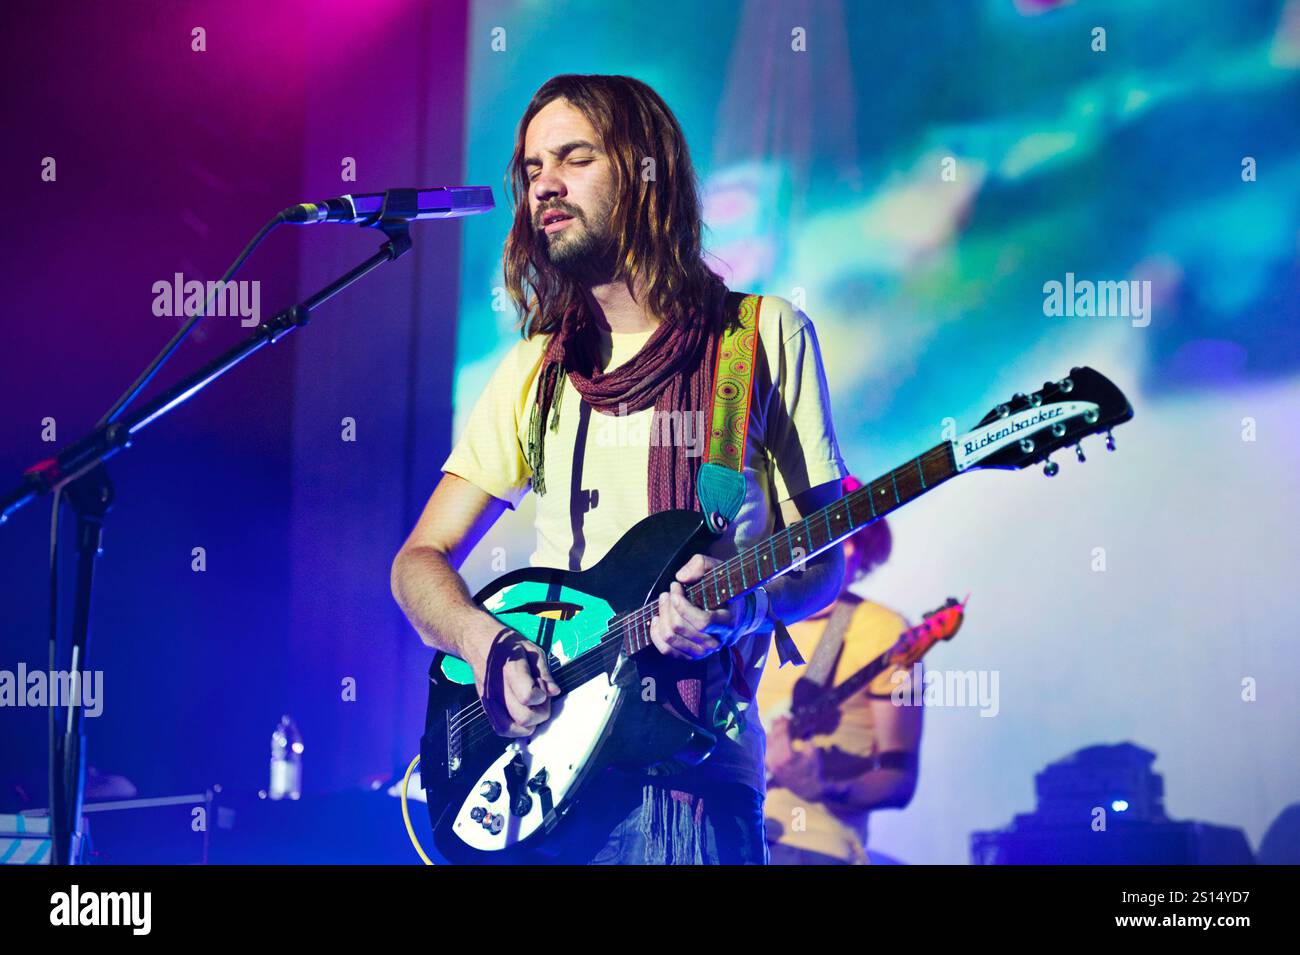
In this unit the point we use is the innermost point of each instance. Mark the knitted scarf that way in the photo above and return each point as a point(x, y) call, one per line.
point(673, 371)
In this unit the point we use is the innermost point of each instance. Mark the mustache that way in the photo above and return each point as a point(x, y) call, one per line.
point(568, 210)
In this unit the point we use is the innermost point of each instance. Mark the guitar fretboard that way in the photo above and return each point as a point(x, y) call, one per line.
point(804, 720)
point(795, 545)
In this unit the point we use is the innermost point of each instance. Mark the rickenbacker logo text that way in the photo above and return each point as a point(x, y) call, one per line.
point(993, 437)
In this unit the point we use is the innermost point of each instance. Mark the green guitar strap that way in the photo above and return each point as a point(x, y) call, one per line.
point(720, 484)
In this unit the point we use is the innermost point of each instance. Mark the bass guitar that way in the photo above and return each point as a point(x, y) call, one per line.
point(815, 710)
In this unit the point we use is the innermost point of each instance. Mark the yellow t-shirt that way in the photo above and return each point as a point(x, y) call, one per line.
point(597, 487)
point(808, 824)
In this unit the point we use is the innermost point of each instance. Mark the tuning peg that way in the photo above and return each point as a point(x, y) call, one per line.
point(1078, 452)
point(1067, 386)
point(1050, 468)
point(1110, 441)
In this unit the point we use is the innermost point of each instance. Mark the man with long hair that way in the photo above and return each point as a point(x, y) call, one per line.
point(620, 322)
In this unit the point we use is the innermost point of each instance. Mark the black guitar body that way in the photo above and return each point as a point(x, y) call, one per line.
point(650, 731)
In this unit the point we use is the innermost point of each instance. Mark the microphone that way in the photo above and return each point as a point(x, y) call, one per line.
point(441, 202)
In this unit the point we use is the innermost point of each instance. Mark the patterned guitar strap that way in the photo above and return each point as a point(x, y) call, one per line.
point(671, 821)
point(720, 483)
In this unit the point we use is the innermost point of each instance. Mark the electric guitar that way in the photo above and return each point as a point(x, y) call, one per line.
point(493, 799)
point(815, 710)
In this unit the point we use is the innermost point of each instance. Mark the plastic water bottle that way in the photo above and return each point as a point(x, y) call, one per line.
point(286, 761)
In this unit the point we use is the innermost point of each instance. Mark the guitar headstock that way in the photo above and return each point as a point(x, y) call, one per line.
point(1028, 428)
point(941, 624)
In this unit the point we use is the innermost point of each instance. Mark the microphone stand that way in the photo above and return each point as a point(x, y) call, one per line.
point(79, 470)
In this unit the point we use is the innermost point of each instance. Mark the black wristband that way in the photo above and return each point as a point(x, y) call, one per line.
point(900, 760)
point(493, 678)
point(895, 759)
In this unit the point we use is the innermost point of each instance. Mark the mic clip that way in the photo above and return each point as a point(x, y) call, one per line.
point(394, 219)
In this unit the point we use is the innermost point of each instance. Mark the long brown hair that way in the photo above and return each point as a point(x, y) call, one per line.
point(656, 224)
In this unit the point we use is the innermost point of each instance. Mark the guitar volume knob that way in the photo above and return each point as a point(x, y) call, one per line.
point(490, 790)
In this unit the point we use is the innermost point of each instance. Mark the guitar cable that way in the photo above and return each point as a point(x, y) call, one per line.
point(406, 813)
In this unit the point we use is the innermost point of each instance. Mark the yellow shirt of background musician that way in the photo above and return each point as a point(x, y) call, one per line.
point(808, 824)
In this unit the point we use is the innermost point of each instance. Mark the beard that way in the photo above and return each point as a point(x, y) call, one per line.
point(579, 251)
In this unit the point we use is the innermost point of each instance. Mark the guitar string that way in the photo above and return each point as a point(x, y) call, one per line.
point(464, 720)
point(473, 724)
point(627, 625)
point(478, 727)
point(471, 737)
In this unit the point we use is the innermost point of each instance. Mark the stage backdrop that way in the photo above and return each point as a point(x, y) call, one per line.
point(914, 176)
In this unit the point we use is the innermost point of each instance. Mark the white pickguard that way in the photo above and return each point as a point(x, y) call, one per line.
point(562, 746)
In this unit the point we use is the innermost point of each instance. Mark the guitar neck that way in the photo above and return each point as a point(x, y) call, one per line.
point(856, 682)
point(793, 546)
point(806, 717)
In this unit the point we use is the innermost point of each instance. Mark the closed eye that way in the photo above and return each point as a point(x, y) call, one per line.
point(535, 172)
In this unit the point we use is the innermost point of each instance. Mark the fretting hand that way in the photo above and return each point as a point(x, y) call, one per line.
point(681, 629)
